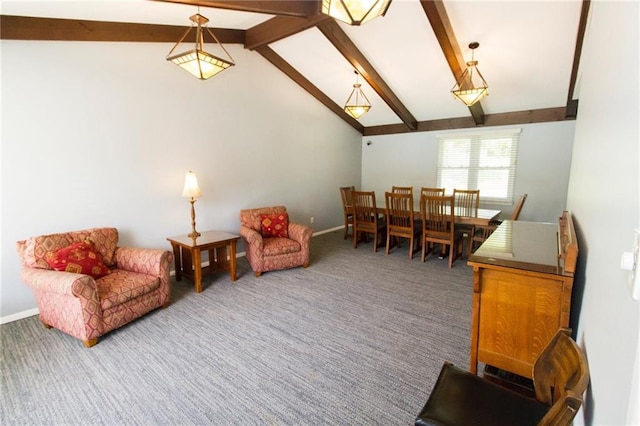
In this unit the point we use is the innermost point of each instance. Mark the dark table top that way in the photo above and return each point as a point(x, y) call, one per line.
point(531, 246)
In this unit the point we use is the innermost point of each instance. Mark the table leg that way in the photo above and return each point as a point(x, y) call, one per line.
point(475, 322)
point(177, 260)
point(197, 269)
point(232, 260)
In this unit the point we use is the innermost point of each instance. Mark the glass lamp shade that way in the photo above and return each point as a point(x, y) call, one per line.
point(356, 110)
point(357, 104)
point(200, 64)
point(355, 12)
point(197, 62)
point(191, 188)
point(471, 87)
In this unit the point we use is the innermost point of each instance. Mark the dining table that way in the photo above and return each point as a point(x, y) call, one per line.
point(483, 217)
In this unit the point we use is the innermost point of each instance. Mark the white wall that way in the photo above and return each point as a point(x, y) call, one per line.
point(411, 159)
point(101, 134)
point(604, 196)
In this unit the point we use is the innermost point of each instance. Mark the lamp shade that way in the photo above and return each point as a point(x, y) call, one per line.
point(191, 188)
point(357, 104)
point(355, 12)
point(199, 63)
point(196, 61)
point(471, 87)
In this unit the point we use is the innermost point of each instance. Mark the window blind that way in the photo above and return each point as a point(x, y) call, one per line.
point(484, 161)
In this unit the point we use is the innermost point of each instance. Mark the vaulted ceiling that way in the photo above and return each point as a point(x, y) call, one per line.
point(409, 59)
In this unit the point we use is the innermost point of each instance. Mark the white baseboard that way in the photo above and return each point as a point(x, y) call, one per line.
point(34, 311)
point(19, 315)
point(326, 231)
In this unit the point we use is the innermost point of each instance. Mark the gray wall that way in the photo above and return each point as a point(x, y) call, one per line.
point(544, 160)
point(604, 196)
point(101, 134)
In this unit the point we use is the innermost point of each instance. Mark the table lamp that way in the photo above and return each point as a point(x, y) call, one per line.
point(192, 190)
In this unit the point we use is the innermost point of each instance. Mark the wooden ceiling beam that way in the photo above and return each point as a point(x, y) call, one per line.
point(439, 20)
point(341, 41)
point(278, 28)
point(544, 115)
point(29, 28)
point(294, 75)
point(271, 7)
point(572, 104)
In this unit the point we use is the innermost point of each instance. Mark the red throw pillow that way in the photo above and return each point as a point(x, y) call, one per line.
point(274, 225)
point(80, 258)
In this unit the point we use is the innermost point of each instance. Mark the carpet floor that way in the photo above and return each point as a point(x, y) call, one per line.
point(356, 338)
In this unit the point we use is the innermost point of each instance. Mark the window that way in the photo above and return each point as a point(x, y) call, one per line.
point(484, 161)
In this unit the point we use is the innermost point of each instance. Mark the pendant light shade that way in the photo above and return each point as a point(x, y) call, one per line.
point(196, 61)
point(355, 12)
point(471, 86)
point(357, 104)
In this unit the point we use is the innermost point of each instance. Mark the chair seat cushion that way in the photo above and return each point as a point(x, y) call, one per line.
point(462, 398)
point(121, 286)
point(278, 246)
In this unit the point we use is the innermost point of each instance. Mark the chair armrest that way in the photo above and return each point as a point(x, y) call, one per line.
point(251, 236)
point(143, 260)
point(300, 233)
point(69, 283)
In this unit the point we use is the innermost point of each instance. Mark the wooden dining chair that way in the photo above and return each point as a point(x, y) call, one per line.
point(467, 202)
point(483, 232)
point(402, 190)
point(560, 378)
point(366, 218)
point(438, 227)
point(401, 222)
point(347, 208)
point(434, 192)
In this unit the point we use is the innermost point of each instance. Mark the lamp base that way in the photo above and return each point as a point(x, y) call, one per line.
point(193, 235)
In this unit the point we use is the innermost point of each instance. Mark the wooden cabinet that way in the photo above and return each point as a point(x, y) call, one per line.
point(522, 283)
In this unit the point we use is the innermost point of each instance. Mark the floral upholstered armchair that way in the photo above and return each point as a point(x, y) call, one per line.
point(271, 241)
point(85, 285)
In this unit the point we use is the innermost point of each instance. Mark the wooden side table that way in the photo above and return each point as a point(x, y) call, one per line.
point(187, 253)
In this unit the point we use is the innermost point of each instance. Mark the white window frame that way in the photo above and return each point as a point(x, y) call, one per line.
point(463, 166)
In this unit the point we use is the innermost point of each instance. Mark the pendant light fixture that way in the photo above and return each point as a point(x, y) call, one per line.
point(196, 61)
point(357, 104)
point(471, 87)
point(355, 12)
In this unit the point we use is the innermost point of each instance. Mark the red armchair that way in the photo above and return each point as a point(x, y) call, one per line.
point(270, 253)
point(136, 282)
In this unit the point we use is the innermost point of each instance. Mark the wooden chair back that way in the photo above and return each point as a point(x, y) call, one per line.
point(518, 207)
point(467, 201)
point(437, 192)
point(400, 219)
point(437, 216)
point(438, 226)
point(345, 194)
point(402, 190)
point(365, 216)
point(347, 208)
point(560, 377)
